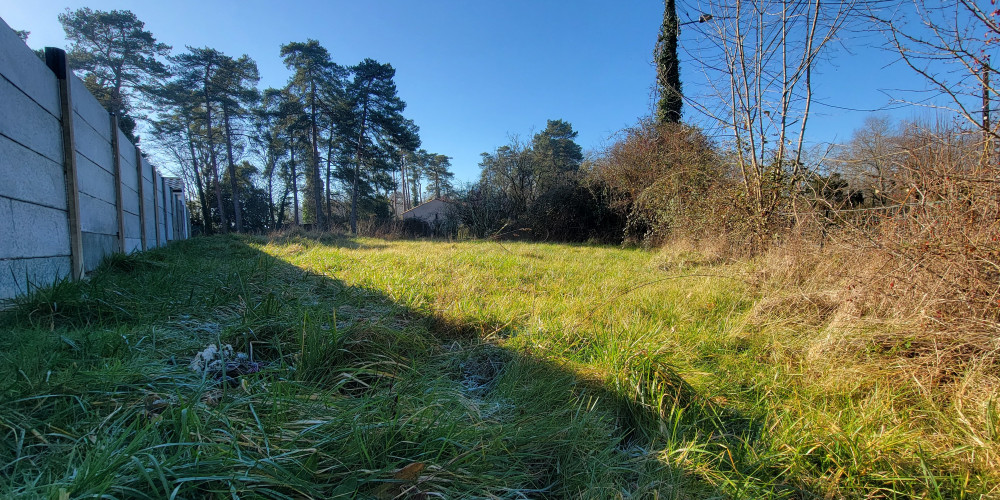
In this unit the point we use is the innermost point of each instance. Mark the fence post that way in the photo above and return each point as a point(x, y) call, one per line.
point(168, 221)
point(55, 59)
point(156, 207)
point(117, 162)
point(142, 199)
point(173, 203)
point(178, 215)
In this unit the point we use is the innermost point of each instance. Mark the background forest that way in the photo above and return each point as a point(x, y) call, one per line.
point(331, 144)
point(333, 150)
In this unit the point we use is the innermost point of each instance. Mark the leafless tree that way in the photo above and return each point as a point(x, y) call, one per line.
point(758, 57)
point(950, 43)
point(871, 159)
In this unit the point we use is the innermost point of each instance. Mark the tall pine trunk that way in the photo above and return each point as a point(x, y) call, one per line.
point(402, 181)
point(211, 151)
point(317, 182)
point(206, 211)
point(295, 187)
point(357, 167)
point(329, 166)
point(233, 184)
point(270, 201)
point(281, 208)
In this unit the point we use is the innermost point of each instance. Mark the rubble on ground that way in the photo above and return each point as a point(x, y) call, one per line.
point(224, 363)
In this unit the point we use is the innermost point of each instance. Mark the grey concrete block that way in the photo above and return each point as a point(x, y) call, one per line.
point(126, 148)
point(147, 191)
point(133, 245)
point(130, 201)
point(132, 227)
point(18, 276)
point(161, 227)
point(87, 108)
point(34, 127)
point(26, 71)
point(127, 157)
point(93, 143)
point(150, 227)
point(97, 216)
point(179, 217)
point(94, 180)
point(168, 215)
point(147, 171)
point(95, 247)
point(29, 176)
point(32, 230)
point(129, 175)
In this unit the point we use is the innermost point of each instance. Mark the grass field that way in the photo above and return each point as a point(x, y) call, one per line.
point(417, 369)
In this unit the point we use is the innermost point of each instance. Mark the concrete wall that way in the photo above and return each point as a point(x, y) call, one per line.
point(37, 227)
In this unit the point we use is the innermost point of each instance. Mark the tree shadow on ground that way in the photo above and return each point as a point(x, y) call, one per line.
point(359, 396)
point(333, 240)
point(650, 405)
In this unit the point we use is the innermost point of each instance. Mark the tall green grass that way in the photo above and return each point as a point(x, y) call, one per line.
point(412, 369)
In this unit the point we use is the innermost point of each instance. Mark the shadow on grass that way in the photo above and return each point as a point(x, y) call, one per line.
point(333, 240)
point(359, 396)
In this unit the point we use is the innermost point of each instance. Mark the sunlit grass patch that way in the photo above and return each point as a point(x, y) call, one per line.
point(409, 368)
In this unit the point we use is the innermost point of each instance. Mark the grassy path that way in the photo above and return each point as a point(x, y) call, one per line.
point(416, 369)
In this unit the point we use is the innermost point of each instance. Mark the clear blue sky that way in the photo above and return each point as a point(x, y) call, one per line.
point(472, 72)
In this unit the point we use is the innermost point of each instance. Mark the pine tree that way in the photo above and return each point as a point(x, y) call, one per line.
point(236, 90)
point(313, 71)
point(267, 141)
point(376, 129)
point(118, 56)
point(178, 129)
point(555, 154)
point(197, 71)
point(293, 124)
point(439, 176)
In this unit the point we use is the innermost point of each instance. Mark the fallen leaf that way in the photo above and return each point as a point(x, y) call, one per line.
point(410, 472)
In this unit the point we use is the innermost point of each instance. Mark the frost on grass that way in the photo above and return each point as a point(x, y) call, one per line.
point(374, 314)
point(480, 366)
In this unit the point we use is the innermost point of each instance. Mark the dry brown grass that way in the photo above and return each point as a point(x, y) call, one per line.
point(686, 253)
point(858, 314)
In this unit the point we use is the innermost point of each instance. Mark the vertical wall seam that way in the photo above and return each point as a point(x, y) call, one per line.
point(117, 162)
point(142, 199)
point(156, 208)
point(55, 59)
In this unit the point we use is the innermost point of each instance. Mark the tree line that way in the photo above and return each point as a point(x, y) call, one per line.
point(741, 166)
point(329, 148)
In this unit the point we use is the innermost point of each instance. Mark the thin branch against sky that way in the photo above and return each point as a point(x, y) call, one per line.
point(473, 73)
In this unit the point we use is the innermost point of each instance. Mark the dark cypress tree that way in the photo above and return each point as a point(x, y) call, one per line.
point(668, 72)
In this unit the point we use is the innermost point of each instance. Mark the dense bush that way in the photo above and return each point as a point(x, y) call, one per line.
point(666, 180)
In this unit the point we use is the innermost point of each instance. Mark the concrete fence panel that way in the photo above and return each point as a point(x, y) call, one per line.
point(73, 188)
point(34, 237)
point(158, 208)
point(149, 209)
point(168, 209)
point(130, 194)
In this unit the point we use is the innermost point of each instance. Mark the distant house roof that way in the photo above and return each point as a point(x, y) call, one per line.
point(428, 210)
